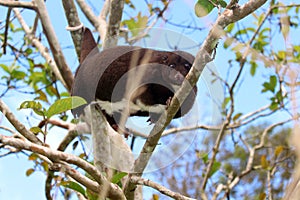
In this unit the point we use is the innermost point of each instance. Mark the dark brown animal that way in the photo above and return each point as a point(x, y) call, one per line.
point(148, 75)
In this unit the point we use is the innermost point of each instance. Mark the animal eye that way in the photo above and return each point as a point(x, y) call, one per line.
point(164, 57)
point(187, 66)
point(172, 65)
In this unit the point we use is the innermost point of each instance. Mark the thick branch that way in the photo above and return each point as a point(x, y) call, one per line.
point(113, 28)
point(18, 4)
point(18, 125)
point(88, 183)
point(73, 21)
point(114, 192)
point(59, 58)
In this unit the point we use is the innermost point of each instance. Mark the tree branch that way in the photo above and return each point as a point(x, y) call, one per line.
point(59, 58)
point(141, 181)
point(18, 125)
point(113, 28)
point(99, 24)
point(113, 192)
point(73, 21)
point(18, 4)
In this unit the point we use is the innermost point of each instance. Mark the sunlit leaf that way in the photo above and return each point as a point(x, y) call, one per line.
point(5, 68)
point(33, 156)
point(36, 130)
point(29, 171)
point(278, 150)
point(63, 105)
point(225, 102)
point(42, 96)
point(155, 197)
point(262, 196)
point(264, 162)
point(230, 27)
point(237, 116)
point(45, 165)
point(203, 8)
point(35, 106)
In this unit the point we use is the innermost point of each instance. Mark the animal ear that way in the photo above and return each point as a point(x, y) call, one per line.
point(88, 43)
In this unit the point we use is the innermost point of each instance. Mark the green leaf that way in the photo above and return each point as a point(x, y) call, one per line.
point(230, 27)
point(273, 106)
point(63, 105)
point(203, 8)
point(225, 102)
point(270, 86)
point(74, 186)
point(253, 68)
point(36, 130)
point(35, 106)
point(5, 68)
point(281, 55)
point(215, 167)
point(29, 104)
point(222, 3)
point(28, 51)
point(204, 157)
point(273, 82)
point(136, 25)
point(19, 75)
point(117, 177)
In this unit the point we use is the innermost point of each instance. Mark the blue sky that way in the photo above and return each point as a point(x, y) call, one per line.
point(13, 167)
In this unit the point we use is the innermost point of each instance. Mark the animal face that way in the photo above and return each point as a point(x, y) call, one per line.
point(178, 64)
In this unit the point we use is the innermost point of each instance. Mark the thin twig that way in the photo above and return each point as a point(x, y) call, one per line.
point(141, 181)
